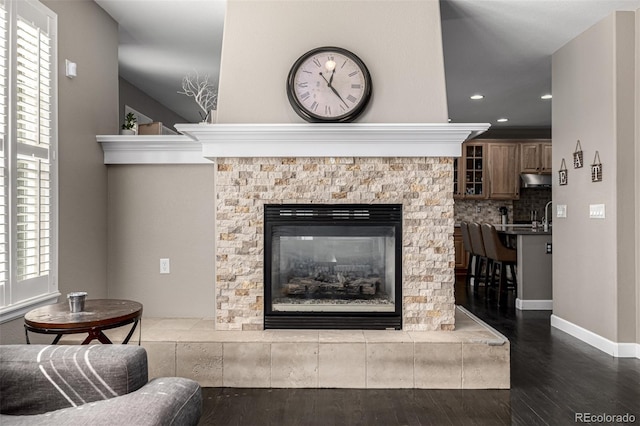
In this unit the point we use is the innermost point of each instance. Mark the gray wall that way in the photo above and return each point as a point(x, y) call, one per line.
point(87, 106)
point(596, 260)
point(168, 211)
point(637, 180)
point(163, 211)
point(143, 103)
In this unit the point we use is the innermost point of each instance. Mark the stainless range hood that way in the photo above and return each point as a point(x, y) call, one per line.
point(532, 180)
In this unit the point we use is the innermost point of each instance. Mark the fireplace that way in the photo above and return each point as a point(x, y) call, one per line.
point(333, 266)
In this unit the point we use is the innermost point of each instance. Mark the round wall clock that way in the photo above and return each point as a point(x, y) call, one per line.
point(329, 84)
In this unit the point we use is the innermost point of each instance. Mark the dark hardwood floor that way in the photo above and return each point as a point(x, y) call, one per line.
point(554, 378)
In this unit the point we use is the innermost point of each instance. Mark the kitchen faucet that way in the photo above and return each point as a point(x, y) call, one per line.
point(545, 219)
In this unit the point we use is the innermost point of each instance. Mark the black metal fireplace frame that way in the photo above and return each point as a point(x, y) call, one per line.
point(331, 215)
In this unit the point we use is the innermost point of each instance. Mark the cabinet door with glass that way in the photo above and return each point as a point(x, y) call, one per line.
point(473, 170)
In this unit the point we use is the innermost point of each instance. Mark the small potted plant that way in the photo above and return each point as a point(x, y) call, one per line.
point(129, 126)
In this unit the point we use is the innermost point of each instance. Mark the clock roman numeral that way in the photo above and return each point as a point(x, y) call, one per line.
point(314, 106)
point(304, 96)
point(327, 110)
point(317, 62)
point(356, 86)
point(304, 84)
point(352, 99)
point(351, 74)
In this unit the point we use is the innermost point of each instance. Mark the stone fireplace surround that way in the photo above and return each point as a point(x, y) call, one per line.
point(408, 164)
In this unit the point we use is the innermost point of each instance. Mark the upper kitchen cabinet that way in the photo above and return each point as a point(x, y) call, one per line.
point(473, 173)
point(535, 156)
point(488, 169)
point(504, 173)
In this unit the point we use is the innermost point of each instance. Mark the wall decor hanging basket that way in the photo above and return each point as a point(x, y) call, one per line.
point(577, 156)
point(562, 173)
point(596, 169)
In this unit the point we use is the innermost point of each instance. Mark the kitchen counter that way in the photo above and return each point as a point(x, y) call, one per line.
point(521, 230)
point(534, 268)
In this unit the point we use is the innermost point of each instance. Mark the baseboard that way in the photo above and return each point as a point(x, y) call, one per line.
point(618, 350)
point(534, 305)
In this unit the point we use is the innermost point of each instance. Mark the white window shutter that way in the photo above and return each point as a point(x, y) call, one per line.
point(27, 231)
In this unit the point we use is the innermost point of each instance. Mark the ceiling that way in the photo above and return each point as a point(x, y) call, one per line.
point(498, 48)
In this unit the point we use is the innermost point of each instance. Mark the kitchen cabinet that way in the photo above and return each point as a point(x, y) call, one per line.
point(469, 171)
point(535, 157)
point(462, 257)
point(487, 170)
point(504, 173)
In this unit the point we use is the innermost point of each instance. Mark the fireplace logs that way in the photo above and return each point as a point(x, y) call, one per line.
point(339, 289)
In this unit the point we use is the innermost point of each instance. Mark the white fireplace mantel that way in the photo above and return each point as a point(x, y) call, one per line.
point(202, 143)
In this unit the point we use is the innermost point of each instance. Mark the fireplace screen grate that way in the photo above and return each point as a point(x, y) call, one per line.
point(333, 265)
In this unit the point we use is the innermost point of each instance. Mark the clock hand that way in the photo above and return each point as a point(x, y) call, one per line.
point(331, 79)
point(333, 89)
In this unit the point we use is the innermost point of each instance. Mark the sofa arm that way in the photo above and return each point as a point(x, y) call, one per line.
point(165, 401)
point(35, 379)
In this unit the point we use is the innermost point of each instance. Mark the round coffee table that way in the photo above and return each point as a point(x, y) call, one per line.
point(98, 315)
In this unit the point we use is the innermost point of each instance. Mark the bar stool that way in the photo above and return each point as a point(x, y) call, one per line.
point(483, 264)
point(473, 257)
point(501, 256)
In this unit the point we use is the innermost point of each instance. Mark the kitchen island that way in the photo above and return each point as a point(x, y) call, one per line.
point(534, 267)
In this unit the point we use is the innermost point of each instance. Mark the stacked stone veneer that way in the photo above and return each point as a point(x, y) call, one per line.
point(424, 186)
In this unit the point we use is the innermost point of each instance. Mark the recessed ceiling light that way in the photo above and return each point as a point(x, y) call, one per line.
point(476, 97)
point(502, 120)
point(547, 96)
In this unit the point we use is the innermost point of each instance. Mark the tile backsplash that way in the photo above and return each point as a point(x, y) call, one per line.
point(531, 199)
point(482, 210)
point(518, 211)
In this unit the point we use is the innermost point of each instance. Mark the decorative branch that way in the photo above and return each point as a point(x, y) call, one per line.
point(204, 93)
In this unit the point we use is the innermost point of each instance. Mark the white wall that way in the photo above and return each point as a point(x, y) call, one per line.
point(595, 260)
point(399, 41)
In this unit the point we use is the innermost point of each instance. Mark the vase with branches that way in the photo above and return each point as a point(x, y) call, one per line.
point(202, 91)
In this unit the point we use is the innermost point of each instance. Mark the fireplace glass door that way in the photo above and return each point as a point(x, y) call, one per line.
point(332, 266)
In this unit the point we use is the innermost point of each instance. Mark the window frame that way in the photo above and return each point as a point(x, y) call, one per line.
point(18, 297)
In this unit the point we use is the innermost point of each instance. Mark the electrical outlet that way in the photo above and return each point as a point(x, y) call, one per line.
point(165, 266)
point(477, 209)
point(548, 248)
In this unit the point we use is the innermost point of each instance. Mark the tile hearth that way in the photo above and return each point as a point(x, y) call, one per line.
point(474, 356)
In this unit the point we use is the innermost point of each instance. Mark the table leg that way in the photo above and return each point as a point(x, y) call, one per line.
point(96, 334)
point(126, 340)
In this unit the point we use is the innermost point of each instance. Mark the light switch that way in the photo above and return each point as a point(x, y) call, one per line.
point(71, 69)
point(596, 211)
point(561, 210)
